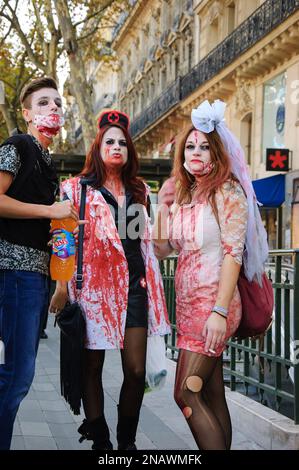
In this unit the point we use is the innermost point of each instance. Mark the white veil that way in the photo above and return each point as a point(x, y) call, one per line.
point(207, 118)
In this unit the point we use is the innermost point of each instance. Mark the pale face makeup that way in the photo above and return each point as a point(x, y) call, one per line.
point(46, 102)
point(114, 149)
point(197, 154)
point(44, 118)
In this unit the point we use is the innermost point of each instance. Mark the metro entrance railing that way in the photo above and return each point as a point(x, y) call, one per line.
point(267, 371)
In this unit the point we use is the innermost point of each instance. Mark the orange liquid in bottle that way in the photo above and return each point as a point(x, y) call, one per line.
point(62, 264)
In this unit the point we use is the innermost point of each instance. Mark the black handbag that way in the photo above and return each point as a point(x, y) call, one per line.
point(72, 336)
point(72, 332)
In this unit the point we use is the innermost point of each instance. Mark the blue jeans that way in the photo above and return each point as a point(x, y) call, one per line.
point(23, 297)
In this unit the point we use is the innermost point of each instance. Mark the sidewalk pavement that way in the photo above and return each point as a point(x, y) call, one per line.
point(44, 420)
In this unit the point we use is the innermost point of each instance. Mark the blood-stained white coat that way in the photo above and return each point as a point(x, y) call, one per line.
point(104, 295)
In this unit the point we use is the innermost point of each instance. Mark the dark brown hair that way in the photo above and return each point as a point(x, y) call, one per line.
point(35, 85)
point(220, 173)
point(94, 166)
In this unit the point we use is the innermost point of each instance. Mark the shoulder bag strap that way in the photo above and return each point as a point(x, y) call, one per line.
point(79, 277)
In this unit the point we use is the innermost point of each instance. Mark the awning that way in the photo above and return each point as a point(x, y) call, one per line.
point(270, 191)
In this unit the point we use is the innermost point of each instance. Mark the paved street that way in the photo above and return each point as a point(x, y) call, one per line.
point(45, 422)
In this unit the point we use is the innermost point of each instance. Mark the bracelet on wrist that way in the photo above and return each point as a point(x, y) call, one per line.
point(220, 310)
point(220, 314)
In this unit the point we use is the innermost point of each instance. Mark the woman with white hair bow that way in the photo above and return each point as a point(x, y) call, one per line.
point(215, 215)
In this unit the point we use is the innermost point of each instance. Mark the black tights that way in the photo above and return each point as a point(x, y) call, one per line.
point(133, 364)
point(205, 407)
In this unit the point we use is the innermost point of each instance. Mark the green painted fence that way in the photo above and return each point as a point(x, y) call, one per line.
point(267, 371)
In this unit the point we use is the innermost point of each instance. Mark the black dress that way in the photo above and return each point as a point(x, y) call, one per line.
point(129, 232)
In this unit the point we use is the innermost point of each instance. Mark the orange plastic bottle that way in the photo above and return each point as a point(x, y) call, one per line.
point(62, 264)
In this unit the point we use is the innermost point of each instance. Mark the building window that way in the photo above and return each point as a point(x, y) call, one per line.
point(141, 101)
point(144, 91)
point(190, 56)
point(269, 218)
point(163, 77)
point(165, 15)
point(213, 34)
point(197, 30)
point(231, 15)
point(171, 13)
point(274, 114)
point(246, 131)
point(150, 91)
point(176, 65)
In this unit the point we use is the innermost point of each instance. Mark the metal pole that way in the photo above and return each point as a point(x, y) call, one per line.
point(296, 338)
point(279, 228)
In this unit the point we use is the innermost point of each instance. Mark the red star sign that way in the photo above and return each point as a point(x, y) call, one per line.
point(277, 160)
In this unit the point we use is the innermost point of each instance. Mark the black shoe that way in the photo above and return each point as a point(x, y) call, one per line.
point(126, 431)
point(109, 446)
point(96, 431)
point(43, 335)
point(128, 447)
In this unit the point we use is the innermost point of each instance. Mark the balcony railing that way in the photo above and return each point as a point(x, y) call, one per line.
point(122, 18)
point(267, 17)
point(160, 106)
point(267, 372)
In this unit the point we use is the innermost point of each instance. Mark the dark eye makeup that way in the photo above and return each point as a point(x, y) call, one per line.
point(45, 102)
point(203, 147)
point(58, 102)
point(122, 143)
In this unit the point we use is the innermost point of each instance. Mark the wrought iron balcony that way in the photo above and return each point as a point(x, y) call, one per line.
point(267, 17)
point(169, 98)
point(122, 18)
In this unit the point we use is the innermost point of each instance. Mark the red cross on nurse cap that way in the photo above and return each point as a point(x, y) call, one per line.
point(114, 117)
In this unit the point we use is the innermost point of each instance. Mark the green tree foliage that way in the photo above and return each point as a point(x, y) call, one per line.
point(70, 30)
point(14, 73)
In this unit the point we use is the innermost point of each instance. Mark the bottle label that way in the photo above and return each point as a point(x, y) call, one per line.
point(63, 243)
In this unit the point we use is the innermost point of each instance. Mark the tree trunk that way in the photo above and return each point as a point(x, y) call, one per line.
point(9, 117)
point(52, 58)
point(78, 78)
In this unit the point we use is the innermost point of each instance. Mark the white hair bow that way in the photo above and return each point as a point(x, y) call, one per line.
point(208, 116)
